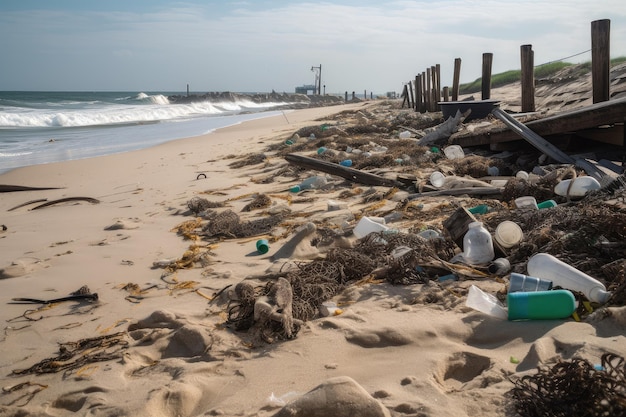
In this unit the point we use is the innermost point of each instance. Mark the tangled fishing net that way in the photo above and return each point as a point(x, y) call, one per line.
point(573, 388)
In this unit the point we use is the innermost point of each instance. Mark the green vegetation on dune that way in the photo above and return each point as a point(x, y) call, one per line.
point(541, 71)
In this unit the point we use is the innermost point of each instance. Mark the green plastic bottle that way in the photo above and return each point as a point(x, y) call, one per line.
point(540, 305)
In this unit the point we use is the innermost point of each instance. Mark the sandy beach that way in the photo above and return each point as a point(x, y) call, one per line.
point(161, 345)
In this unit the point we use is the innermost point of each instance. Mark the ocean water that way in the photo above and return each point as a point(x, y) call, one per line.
point(44, 127)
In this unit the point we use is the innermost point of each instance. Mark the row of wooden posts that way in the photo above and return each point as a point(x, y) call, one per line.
point(425, 92)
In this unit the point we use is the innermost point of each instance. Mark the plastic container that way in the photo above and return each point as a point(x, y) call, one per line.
point(480, 209)
point(321, 150)
point(580, 187)
point(499, 266)
point(346, 163)
point(546, 204)
point(485, 303)
point(477, 244)
point(522, 175)
point(544, 265)
point(392, 217)
point(262, 245)
point(404, 135)
point(365, 226)
point(309, 183)
point(508, 234)
point(493, 171)
point(540, 305)
point(524, 283)
point(454, 152)
point(437, 179)
point(526, 202)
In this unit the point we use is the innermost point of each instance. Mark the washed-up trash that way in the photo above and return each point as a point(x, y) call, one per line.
point(366, 225)
point(538, 305)
point(577, 187)
point(544, 265)
point(404, 135)
point(454, 152)
point(546, 204)
point(508, 234)
point(525, 283)
point(477, 244)
point(262, 246)
point(314, 182)
point(499, 266)
point(526, 202)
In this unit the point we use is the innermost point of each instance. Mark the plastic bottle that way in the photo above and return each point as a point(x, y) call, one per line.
point(404, 135)
point(316, 181)
point(524, 283)
point(477, 244)
point(346, 163)
point(580, 186)
point(392, 217)
point(544, 265)
point(540, 305)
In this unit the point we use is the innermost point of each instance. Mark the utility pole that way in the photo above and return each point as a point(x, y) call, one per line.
point(318, 79)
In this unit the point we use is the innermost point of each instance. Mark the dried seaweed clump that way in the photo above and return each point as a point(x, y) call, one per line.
point(252, 159)
point(260, 201)
point(573, 388)
point(198, 205)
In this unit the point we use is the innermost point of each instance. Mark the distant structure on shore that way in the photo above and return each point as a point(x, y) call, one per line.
point(307, 89)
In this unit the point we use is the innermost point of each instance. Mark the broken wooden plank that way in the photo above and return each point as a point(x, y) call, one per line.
point(459, 191)
point(588, 117)
point(350, 174)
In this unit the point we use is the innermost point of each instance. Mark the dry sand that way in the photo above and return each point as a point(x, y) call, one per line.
point(438, 359)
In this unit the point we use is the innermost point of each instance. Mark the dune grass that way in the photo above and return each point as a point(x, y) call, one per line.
point(541, 71)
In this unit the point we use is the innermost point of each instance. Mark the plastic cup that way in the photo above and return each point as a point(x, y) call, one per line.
point(437, 179)
point(524, 283)
point(262, 246)
point(454, 152)
point(508, 234)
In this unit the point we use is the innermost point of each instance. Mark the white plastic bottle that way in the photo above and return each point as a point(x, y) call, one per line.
point(317, 181)
point(544, 265)
point(477, 244)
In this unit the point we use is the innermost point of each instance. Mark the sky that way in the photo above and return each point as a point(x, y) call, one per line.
point(264, 45)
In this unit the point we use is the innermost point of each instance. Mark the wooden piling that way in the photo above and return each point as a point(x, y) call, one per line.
point(446, 93)
point(486, 78)
point(429, 96)
point(438, 86)
point(600, 59)
point(528, 78)
point(455, 80)
point(410, 89)
point(418, 93)
point(424, 92)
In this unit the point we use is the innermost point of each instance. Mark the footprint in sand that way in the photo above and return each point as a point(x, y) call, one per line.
point(461, 368)
point(125, 224)
point(21, 267)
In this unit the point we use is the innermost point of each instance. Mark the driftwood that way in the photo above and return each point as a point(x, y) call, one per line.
point(459, 191)
point(350, 174)
point(28, 203)
point(4, 188)
point(444, 130)
point(63, 200)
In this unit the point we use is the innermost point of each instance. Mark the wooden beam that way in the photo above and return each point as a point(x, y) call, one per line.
point(589, 117)
point(350, 174)
point(455, 80)
point(528, 78)
point(600, 59)
point(486, 78)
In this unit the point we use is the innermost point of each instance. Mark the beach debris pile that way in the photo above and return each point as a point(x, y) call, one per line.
point(425, 246)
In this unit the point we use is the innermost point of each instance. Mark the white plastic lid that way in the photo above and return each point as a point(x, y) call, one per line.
point(508, 234)
point(437, 179)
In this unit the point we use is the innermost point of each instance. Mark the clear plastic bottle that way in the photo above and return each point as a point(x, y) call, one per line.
point(317, 181)
point(477, 244)
point(544, 265)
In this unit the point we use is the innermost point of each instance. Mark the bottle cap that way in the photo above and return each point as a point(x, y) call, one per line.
point(508, 234)
point(295, 189)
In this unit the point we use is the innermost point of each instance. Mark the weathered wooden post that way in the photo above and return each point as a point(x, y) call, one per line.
point(187, 90)
point(424, 92)
point(412, 100)
point(600, 59)
point(438, 89)
point(405, 96)
point(429, 94)
point(528, 78)
point(456, 78)
point(346, 99)
point(446, 93)
point(486, 78)
point(418, 93)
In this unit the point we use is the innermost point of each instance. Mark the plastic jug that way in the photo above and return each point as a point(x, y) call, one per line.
point(365, 226)
point(544, 265)
point(477, 244)
point(579, 187)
